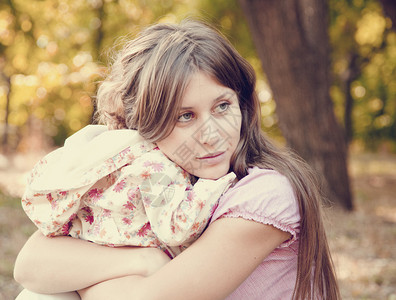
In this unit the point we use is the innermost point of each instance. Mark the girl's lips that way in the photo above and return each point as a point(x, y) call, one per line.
point(212, 158)
point(211, 155)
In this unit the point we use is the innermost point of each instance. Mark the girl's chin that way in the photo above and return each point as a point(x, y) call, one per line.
point(210, 174)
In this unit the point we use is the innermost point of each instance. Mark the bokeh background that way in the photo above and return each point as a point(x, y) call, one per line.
point(53, 55)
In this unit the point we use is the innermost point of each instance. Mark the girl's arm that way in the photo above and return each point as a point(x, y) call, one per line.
point(215, 265)
point(59, 264)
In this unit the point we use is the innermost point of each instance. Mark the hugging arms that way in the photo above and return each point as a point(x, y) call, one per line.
point(216, 264)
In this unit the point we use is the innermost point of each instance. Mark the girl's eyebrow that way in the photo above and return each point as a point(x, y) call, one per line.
point(227, 93)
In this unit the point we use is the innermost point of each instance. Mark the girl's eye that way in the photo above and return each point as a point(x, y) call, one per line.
point(185, 117)
point(222, 107)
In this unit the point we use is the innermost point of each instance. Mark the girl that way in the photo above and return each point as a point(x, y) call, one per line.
point(266, 238)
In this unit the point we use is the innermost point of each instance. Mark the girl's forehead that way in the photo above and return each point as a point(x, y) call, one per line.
point(203, 87)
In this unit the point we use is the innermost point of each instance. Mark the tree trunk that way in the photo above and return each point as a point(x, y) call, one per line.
point(292, 43)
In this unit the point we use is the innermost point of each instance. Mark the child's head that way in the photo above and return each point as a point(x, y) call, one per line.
point(148, 78)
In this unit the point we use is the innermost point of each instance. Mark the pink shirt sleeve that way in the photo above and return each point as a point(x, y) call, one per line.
point(264, 196)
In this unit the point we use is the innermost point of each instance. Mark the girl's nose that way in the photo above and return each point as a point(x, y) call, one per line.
point(209, 133)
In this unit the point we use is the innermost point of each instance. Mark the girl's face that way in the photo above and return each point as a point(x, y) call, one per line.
point(207, 130)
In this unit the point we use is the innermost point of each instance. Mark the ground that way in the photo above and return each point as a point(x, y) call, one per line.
point(363, 242)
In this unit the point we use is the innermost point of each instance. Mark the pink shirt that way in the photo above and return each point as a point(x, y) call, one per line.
point(267, 197)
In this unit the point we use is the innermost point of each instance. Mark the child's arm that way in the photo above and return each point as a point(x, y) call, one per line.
point(59, 264)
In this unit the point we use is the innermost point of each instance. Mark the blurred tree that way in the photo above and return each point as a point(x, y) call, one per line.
point(364, 71)
point(292, 41)
point(15, 30)
point(348, 52)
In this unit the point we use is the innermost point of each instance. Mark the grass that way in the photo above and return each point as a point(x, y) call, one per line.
point(363, 242)
point(15, 228)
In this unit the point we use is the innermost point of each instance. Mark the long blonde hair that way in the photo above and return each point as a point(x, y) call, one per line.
point(144, 90)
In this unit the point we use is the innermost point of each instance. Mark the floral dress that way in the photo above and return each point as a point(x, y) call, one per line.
point(114, 188)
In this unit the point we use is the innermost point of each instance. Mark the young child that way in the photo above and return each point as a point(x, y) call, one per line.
point(113, 187)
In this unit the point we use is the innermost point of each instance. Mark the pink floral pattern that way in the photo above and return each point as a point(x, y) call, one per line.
point(119, 186)
point(106, 205)
point(95, 194)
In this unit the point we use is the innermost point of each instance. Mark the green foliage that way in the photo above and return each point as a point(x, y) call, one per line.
point(364, 52)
